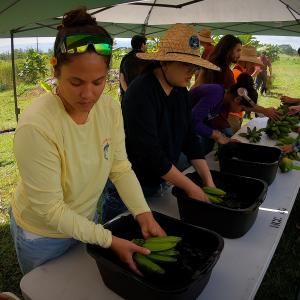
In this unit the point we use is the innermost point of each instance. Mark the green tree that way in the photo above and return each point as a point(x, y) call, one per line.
point(34, 68)
point(287, 49)
point(272, 51)
point(152, 44)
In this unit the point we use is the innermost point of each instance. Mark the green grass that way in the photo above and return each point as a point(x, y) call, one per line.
point(282, 277)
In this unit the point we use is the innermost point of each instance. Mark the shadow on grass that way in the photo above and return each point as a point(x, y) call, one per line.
point(10, 274)
point(283, 276)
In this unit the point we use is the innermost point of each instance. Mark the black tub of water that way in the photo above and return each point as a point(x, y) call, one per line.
point(250, 160)
point(232, 218)
point(199, 251)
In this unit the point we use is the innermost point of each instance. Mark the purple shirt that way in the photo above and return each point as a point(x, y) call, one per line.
point(207, 102)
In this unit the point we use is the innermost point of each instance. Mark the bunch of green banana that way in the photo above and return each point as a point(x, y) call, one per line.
point(293, 155)
point(278, 129)
point(162, 251)
point(287, 140)
point(253, 135)
point(215, 195)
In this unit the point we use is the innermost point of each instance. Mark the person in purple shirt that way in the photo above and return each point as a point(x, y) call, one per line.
point(211, 105)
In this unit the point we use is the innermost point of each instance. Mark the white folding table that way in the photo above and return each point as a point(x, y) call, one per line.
point(236, 276)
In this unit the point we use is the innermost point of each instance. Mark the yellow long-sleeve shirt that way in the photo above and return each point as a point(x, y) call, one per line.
point(64, 167)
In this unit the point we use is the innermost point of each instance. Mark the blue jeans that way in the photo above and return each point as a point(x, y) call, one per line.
point(208, 143)
point(32, 252)
point(112, 204)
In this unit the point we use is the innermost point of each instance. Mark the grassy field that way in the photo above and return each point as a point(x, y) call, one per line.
point(280, 282)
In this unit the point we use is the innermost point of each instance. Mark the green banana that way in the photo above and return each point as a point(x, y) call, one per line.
point(164, 239)
point(253, 135)
point(154, 246)
point(170, 252)
point(148, 264)
point(213, 191)
point(286, 165)
point(161, 258)
point(214, 199)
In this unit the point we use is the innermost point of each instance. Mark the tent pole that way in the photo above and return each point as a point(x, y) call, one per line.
point(12, 49)
point(147, 19)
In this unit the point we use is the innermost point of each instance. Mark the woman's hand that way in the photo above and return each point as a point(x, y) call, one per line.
point(149, 226)
point(294, 109)
point(287, 148)
point(222, 139)
point(125, 250)
point(272, 113)
point(197, 194)
point(286, 99)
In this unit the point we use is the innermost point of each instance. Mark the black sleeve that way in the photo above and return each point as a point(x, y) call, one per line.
point(133, 67)
point(140, 111)
point(192, 147)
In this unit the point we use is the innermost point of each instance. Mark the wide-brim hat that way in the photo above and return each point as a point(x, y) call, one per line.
point(249, 54)
point(205, 36)
point(179, 43)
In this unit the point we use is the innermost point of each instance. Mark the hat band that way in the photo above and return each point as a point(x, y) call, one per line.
point(190, 54)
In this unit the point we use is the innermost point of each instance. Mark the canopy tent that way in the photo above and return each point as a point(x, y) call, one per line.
point(259, 17)
point(124, 18)
point(267, 17)
point(23, 17)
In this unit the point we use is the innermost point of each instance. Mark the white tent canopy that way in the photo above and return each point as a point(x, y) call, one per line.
point(265, 17)
point(152, 17)
point(259, 17)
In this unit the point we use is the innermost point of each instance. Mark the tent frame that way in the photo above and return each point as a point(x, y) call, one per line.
point(265, 27)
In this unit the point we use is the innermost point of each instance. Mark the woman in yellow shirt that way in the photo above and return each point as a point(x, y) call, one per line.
point(66, 143)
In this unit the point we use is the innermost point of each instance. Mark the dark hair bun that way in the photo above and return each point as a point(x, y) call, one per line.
point(245, 80)
point(78, 17)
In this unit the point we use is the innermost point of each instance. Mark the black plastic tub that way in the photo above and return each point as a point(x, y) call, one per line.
point(235, 217)
point(199, 251)
point(250, 160)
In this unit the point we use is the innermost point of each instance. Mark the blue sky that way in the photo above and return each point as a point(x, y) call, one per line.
point(46, 43)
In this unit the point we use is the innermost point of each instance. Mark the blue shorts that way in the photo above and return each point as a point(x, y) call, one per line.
point(33, 250)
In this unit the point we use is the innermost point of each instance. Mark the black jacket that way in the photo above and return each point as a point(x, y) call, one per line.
point(158, 128)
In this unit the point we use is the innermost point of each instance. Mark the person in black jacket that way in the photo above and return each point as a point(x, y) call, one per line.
point(158, 120)
point(131, 66)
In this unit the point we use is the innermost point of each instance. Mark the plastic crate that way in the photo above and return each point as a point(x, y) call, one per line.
point(176, 283)
point(230, 222)
point(250, 160)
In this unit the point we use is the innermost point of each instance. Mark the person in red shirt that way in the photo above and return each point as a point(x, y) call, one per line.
point(225, 53)
point(262, 76)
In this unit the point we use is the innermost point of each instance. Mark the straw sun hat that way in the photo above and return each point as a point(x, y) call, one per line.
point(249, 53)
point(205, 36)
point(179, 43)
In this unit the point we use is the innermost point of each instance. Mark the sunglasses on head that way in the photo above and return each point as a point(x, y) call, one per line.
point(242, 92)
point(79, 43)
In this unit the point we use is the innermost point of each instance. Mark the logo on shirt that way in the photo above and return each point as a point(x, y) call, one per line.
point(105, 145)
